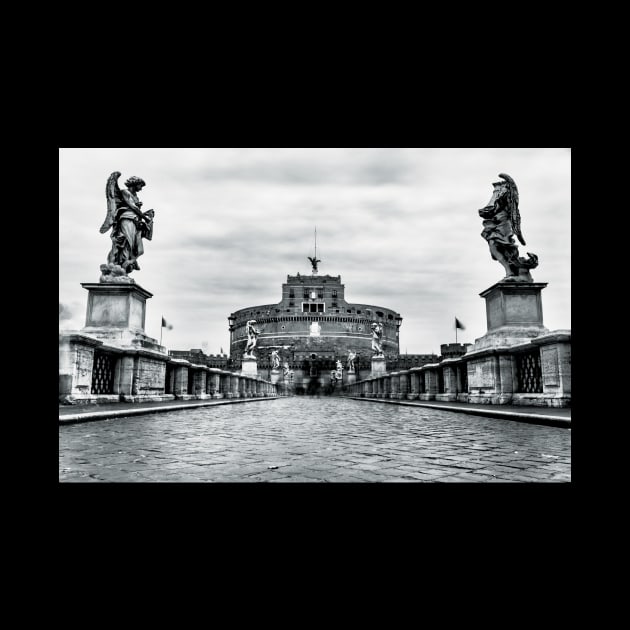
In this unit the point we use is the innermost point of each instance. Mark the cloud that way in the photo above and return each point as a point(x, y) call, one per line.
point(64, 312)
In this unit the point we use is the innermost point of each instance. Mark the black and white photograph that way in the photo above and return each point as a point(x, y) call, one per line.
point(314, 315)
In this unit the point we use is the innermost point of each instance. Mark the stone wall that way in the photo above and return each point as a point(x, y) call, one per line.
point(493, 376)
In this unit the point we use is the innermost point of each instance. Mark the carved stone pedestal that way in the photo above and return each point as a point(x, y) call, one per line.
point(378, 366)
point(513, 313)
point(116, 314)
point(249, 367)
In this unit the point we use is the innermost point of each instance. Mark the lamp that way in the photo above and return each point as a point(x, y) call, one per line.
point(231, 321)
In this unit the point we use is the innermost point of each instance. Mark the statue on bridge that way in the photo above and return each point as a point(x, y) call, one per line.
point(129, 225)
point(275, 360)
point(350, 363)
point(502, 220)
point(377, 339)
point(252, 336)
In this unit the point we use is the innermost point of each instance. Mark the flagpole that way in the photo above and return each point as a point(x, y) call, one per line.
point(456, 330)
point(161, 328)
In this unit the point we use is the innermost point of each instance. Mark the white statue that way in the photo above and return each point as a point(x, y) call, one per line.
point(351, 357)
point(377, 339)
point(275, 360)
point(252, 335)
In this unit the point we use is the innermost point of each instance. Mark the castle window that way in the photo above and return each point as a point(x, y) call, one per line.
point(305, 293)
point(291, 303)
point(320, 294)
point(334, 304)
point(390, 317)
point(291, 293)
point(348, 310)
point(334, 293)
point(379, 313)
point(358, 312)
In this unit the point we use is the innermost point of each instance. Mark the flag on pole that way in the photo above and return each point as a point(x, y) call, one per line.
point(165, 325)
point(458, 324)
point(221, 350)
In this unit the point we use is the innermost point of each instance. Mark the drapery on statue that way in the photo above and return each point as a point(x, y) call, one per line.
point(502, 220)
point(377, 339)
point(314, 260)
point(129, 226)
point(350, 363)
point(275, 360)
point(252, 335)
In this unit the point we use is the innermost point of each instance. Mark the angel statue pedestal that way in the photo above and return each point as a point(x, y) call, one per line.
point(513, 313)
point(378, 366)
point(275, 375)
point(249, 366)
point(116, 313)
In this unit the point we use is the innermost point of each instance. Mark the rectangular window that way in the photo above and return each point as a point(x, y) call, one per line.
point(334, 304)
point(291, 303)
point(291, 293)
point(320, 308)
point(320, 294)
point(334, 293)
point(305, 307)
point(305, 293)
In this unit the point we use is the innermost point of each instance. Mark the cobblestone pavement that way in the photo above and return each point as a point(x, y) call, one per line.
point(305, 439)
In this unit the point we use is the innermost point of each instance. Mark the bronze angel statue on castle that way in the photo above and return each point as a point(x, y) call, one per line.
point(129, 225)
point(502, 220)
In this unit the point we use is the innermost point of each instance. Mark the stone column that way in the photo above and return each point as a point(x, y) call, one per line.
point(431, 384)
point(415, 386)
point(199, 384)
point(450, 384)
point(76, 361)
point(226, 382)
point(555, 363)
point(386, 385)
point(234, 386)
point(394, 385)
point(507, 373)
point(215, 379)
point(404, 384)
point(181, 381)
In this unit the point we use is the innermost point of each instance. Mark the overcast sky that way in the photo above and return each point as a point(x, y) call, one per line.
point(399, 225)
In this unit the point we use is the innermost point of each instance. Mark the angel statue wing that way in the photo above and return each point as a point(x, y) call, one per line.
point(515, 215)
point(112, 193)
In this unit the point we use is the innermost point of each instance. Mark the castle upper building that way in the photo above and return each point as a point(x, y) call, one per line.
point(313, 326)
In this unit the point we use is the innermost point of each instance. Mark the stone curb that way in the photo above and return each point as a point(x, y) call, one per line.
point(531, 418)
point(118, 413)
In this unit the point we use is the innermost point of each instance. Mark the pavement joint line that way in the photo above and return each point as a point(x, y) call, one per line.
point(534, 418)
point(119, 413)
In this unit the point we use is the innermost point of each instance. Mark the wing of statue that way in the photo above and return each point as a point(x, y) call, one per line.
point(515, 215)
point(112, 194)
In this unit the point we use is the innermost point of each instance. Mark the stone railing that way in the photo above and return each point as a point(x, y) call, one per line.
point(93, 371)
point(536, 373)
